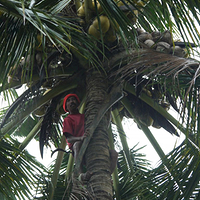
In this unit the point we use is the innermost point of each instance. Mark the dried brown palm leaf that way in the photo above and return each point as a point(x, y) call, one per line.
point(154, 65)
point(150, 63)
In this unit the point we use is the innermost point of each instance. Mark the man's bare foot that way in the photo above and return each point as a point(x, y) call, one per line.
point(85, 176)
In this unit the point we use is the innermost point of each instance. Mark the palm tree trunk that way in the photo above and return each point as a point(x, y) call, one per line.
point(97, 155)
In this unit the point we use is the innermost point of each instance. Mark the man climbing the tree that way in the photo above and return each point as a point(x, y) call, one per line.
point(73, 129)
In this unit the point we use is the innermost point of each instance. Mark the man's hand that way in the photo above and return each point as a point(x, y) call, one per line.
point(82, 138)
point(87, 132)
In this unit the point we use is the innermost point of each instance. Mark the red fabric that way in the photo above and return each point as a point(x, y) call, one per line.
point(65, 99)
point(74, 125)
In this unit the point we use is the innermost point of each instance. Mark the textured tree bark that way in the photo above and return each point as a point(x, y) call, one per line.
point(97, 154)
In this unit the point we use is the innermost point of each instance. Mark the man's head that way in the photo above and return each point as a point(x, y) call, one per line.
point(71, 103)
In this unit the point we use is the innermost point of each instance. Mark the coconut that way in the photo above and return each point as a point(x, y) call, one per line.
point(40, 112)
point(163, 47)
point(120, 3)
point(166, 37)
point(146, 120)
point(141, 3)
point(60, 109)
point(38, 58)
point(156, 35)
point(144, 36)
point(178, 51)
point(133, 17)
point(139, 31)
point(148, 92)
point(156, 125)
point(110, 35)
point(81, 11)
point(149, 43)
point(104, 21)
point(99, 8)
point(94, 32)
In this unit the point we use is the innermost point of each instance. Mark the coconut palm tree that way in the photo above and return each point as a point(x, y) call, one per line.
point(124, 59)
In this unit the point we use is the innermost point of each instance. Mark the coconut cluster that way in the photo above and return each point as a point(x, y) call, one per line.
point(161, 42)
point(145, 113)
point(101, 26)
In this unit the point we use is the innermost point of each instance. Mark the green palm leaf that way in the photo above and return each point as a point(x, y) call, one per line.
point(17, 170)
point(183, 163)
point(133, 184)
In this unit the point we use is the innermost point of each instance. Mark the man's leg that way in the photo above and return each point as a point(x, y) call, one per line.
point(113, 160)
point(83, 176)
point(76, 149)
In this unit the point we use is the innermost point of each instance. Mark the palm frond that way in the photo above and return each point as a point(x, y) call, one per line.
point(33, 99)
point(146, 70)
point(147, 62)
point(21, 103)
point(48, 130)
point(26, 31)
point(33, 31)
point(132, 183)
point(25, 127)
point(63, 188)
point(18, 170)
point(183, 165)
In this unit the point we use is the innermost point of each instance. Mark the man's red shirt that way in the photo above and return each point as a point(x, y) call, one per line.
point(74, 125)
